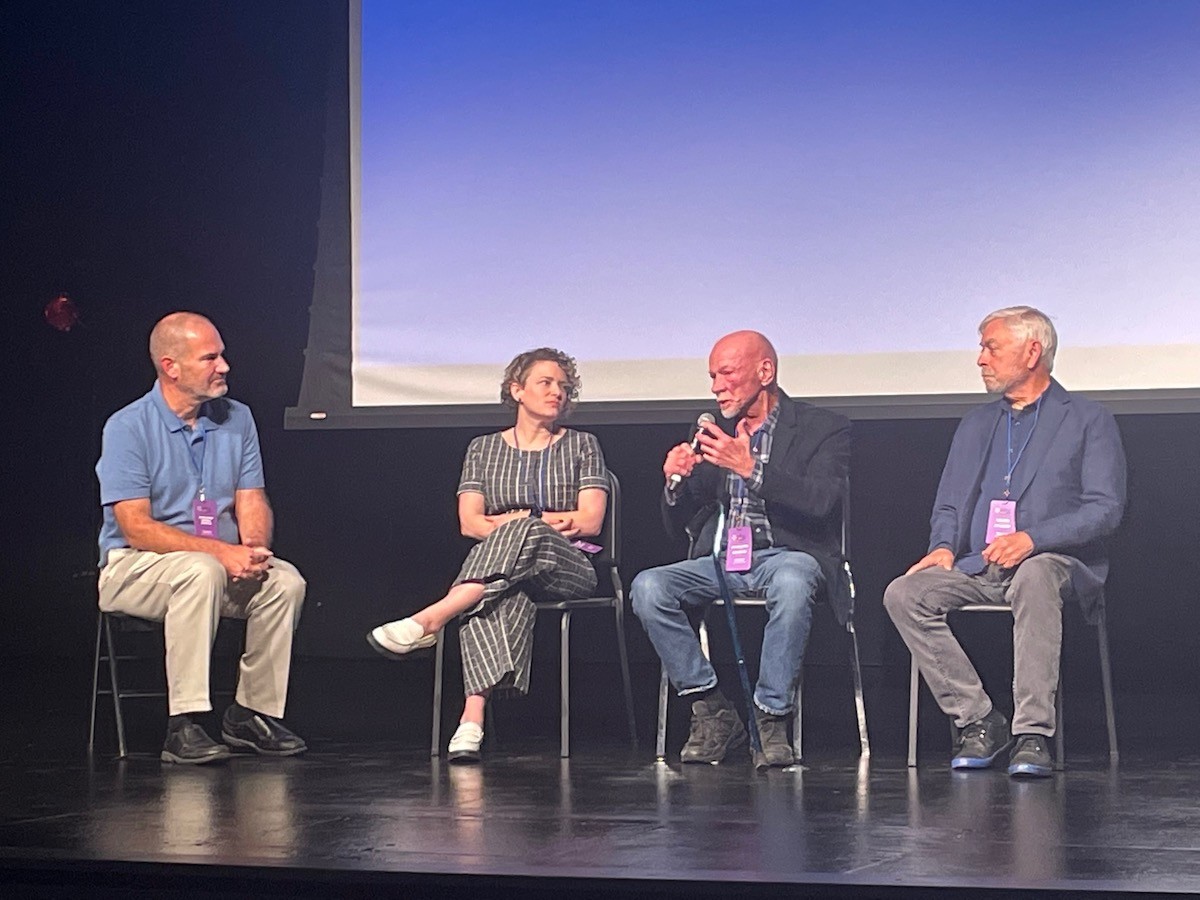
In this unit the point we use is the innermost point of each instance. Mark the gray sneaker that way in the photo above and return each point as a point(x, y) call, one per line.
point(980, 743)
point(1031, 757)
point(715, 731)
point(772, 730)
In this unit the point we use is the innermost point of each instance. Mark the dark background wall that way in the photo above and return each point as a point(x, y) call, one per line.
point(160, 156)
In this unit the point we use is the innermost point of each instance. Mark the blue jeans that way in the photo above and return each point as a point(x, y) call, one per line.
point(662, 598)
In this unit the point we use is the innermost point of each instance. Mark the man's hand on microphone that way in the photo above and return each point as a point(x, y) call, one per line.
point(731, 453)
point(680, 461)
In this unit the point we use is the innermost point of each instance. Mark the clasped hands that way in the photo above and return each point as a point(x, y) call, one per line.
point(562, 522)
point(246, 562)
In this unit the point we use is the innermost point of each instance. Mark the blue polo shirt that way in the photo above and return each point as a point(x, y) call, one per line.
point(148, 452)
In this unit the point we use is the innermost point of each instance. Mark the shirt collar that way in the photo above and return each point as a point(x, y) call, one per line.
point(768, 425)
point(172, 422)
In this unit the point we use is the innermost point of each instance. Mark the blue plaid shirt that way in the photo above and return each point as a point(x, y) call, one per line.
point(746, 507)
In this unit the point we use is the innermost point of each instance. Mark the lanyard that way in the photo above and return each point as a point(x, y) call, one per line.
point(540, 489)
point(197, 465)
point(1012, 463)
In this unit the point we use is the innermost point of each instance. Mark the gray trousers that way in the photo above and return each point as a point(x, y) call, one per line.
point(918, 604)
point(189, 592)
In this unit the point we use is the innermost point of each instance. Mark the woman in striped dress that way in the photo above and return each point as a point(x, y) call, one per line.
point(526, 494)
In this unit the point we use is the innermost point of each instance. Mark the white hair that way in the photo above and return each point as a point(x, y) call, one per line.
point(1028, 324)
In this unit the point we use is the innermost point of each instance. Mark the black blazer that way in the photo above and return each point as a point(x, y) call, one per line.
point(802, 487)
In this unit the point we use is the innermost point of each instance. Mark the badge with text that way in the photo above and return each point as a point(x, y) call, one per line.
point(1002, 519)
point(204, 518)
point(739, 549)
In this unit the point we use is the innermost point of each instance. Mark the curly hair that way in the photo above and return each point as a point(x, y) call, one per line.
point(518, 370)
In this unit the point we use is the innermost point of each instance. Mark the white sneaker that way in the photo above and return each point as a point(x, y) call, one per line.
point(464, 745)
point(400, 637)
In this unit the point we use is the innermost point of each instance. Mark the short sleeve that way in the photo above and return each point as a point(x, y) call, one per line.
point(471, 481)
point(592, 471)
point(251, 474)
point(122, 470)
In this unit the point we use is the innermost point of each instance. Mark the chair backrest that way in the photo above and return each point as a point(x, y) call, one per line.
point(610, 533)
point(846, 519)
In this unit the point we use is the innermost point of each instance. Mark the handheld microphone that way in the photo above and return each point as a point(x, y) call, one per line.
point(705, 419)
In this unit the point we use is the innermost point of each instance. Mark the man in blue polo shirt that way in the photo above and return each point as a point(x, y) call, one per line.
point(186, 539)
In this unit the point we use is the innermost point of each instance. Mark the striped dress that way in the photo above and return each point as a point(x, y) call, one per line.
point(524, 559)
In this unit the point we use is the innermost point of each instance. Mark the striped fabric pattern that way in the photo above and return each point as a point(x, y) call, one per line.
point(524, 559)
point(518, 479)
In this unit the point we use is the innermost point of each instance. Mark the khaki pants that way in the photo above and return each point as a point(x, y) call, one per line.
point(188, 592)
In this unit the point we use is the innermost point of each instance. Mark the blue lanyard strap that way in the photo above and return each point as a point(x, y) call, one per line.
point(539, 488)
point(1012, 463)
point(189, 440)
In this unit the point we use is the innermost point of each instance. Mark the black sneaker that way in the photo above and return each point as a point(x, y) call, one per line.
point(1030, 757)
point(190, 745)
point(981, 742)
point(716, 730)
point(772, 730)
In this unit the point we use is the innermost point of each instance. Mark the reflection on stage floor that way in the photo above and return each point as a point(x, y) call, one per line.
point(611, 814)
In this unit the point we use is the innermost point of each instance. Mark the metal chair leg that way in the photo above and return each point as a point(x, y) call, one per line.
point(1110, 719)
point(660, 740)
point(1060, 753)
point(438, 662)
point(564, 728)
point(914, 690)
point(798, 718)
point(116, 690)
point(626, 682)
point(95, 683)
point(860, 706)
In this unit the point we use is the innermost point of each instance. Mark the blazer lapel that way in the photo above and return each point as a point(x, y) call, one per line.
point(1050, 417)
point(785, 427)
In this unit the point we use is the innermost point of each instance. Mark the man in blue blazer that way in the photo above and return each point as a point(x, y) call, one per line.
point(1033, 487)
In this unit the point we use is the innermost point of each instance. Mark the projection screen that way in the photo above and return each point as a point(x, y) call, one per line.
point(860, 181)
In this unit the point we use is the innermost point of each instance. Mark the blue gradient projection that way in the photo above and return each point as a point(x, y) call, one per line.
point(629, 180)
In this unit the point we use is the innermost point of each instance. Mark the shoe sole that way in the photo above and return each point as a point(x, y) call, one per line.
point(1030, 770)
point(462, 757)
point(984, 762)
point(243, 744)
point(423, 644)
point(168, 757)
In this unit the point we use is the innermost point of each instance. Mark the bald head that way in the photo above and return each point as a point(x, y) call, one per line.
point(172, 334)
point(751, 345)
point(189, 359)
point(743, 367)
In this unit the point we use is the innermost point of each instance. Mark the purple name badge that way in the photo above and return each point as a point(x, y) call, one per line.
point(739, 549)
point(204, 518)
point(1002, 519)
point(587, 546)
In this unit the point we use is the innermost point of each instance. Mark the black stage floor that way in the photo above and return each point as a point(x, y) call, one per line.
point(384, 820)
